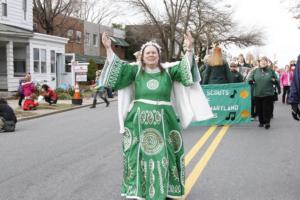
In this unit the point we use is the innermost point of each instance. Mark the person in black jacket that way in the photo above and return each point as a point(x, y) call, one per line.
point(8, 118)
point(294, 96)
point(217, 70)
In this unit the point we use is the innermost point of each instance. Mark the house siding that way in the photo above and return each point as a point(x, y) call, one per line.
point(119, 51)
point(89, 48)
point(61, 27)
point(12, 82)
point(15, 15)
point(49, 43)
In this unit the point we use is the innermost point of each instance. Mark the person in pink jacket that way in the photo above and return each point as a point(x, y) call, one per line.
point(285, 82)
point(29, 88)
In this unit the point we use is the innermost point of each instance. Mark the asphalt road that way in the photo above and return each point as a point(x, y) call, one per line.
point(76, 155)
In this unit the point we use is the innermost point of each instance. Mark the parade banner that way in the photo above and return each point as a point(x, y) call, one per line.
point(230, 103)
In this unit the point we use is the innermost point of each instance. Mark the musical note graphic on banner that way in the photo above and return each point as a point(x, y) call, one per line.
point(231, 116)
point(233, 94)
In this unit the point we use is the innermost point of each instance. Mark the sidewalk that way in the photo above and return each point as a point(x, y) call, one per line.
point(45, 109)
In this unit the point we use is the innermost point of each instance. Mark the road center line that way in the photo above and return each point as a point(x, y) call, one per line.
point(194, 175)
point(199, 145)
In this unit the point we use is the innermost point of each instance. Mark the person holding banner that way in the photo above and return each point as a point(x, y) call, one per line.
point(153, 149)
point(263, 78)
point(244, 67)
point(217, 70)
point(294, 96)
point(237, 77)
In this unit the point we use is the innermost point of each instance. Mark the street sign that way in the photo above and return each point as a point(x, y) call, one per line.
point(81, 76)
point(80, 67)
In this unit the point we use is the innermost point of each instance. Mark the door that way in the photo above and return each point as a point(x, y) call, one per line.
point(59, 69)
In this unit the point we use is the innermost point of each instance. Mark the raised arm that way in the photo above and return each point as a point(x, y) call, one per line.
point(106, 41)
point(188, 42)
point(116, 73)
point(186, 71)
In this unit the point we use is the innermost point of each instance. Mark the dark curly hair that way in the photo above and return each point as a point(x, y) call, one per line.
point(45, 87)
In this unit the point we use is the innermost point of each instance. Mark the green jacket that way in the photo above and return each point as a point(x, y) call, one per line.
point(263, 83)
point(217, 75)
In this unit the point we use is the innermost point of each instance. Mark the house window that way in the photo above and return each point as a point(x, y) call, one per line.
point(36, 60)
point(95, 40)
point(70, 34)
point(68, 61)
point(19, 55)
point(43, 61)
point(25, 9)
point(52, 61)
point(19, 67)
point(87, 38)
point(78, 36)
point(4, 8)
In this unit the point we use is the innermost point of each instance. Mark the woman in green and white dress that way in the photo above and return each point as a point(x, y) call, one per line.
point(153, 150)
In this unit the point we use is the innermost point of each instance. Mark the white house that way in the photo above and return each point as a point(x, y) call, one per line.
point(22, 51)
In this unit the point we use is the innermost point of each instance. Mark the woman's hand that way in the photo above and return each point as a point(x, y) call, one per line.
point(188, 41)
point(106, 40)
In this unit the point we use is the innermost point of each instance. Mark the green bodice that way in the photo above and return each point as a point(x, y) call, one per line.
point(153, 86)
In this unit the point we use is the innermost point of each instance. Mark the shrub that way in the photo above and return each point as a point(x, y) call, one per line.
point(64, 96)
point(91, 70)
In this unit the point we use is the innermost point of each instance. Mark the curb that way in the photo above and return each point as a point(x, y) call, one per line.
point(59, 111)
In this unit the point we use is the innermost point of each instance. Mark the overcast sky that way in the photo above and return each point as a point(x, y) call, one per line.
point(271, 16)
point(282, 35)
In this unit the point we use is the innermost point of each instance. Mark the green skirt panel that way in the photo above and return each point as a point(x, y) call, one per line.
point(153, 154)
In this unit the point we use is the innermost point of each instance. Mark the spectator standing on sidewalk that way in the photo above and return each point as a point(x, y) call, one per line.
point(99, 90)
point(294, 97)
point(20, 91)
point(8, 118)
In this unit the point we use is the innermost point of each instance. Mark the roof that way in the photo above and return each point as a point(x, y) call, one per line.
point(86, 58)
point(14, 31)
point(119, 42)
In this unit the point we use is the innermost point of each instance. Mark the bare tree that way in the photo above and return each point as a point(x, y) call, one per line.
point(295, 8)
point(208, 25)
point(166, 24)
point(211, 25)
point(52, 13)
point(99, 12)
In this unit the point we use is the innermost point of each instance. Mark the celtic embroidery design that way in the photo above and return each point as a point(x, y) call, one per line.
point(152, 84)
point(185, 72)
point(151, 141)
point(150, 117)
point(175, 140)
point(127, 139)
